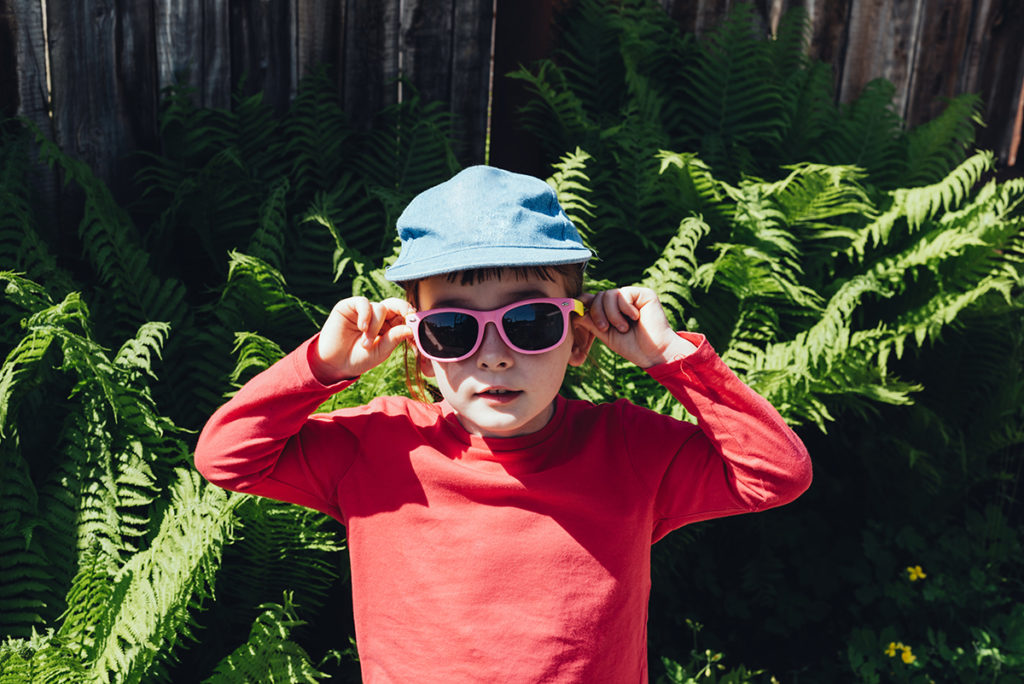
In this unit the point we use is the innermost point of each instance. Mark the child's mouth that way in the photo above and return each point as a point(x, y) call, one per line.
point(499, 395)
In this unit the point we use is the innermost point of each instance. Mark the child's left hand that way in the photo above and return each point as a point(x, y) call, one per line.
point(631, 322)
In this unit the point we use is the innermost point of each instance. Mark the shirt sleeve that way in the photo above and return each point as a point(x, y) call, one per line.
point(266, 441)
point(743, 459)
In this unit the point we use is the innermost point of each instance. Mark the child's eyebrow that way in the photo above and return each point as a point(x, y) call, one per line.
point(514, 296)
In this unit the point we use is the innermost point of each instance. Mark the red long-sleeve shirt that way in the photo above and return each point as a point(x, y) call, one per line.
point(522, 559)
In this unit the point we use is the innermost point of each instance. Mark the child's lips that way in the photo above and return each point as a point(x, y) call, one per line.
point(499, 395)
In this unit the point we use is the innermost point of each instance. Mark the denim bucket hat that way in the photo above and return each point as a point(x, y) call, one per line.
point(484, 217)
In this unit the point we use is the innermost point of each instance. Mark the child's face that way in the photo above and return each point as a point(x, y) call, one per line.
point(530, 381)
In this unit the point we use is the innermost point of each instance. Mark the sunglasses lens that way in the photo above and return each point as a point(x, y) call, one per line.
point(447, 335)
point(534, 326)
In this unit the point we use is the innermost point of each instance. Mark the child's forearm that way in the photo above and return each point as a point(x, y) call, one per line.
point(250, 443)
point(766, 463)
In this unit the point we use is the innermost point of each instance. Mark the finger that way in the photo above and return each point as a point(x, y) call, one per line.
point(596, 310)
point(398, 307)
point(363, 311)
point(632, 300)
point(387, 324)
point(382, 318)
point(397, 334)
point(374, 319)
point(587, 323)
point(615, 304)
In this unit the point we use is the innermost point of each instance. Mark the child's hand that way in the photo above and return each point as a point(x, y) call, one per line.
point(631, 322)
point(359, 335)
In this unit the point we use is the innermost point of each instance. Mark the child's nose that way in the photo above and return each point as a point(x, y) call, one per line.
point(493, 352)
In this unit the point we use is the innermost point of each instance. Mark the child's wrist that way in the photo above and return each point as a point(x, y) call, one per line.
point(675, 349)
point(324, 372)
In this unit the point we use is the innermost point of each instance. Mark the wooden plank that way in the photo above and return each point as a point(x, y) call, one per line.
point(112, 58)
point(829, 37)
point(25, 92)
point(83, 59)
point(877, 46)
point(941, 41)
point(192, 47)
point(371, 57)
point(138, 97)
point(104, 95)
point(319, 28)
point(23, 87)
point(426, 46)
point(996, 62)
point(698, 16)
point(472, 59)
point(524, 33)
point(262, 51)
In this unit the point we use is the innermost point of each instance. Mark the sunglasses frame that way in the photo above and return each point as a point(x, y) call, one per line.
point(565, 305)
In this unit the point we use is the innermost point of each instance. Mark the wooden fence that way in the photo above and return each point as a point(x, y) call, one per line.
point(90, 72)
point(929, 49)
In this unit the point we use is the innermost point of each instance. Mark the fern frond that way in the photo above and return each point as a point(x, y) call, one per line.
point(556, 115)
point(698, 191)
point(281, 547)
point(268, 240)
point(318, 132)
point(255, 354)
point(590, 58)
point(45, 326)
point(943, 142)
point(99, 484)
point(868, 134)
point(918, 205)
point(112, 244)
point(139, 353)
point(923, 203)
point(653, 54)
point(256, 296)
point(21, 247)
point(570, 183)
point(814, 195)
point(158, 586)
point(407, 151)
point(39, 659)
point(30, 593)
point(733, 102)
point(257, 138)
point(354, 221)
point(269, 655)
point(672, 275)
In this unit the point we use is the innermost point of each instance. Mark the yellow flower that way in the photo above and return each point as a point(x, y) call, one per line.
point(915, 573)
point(906, 655)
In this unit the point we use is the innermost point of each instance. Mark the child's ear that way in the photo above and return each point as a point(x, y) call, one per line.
point(426, 367)
point(582, 341)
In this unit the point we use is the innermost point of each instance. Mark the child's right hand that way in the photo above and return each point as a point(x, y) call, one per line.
point(359, 335)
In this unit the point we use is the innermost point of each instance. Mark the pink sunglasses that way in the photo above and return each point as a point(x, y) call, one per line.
point(532, 326)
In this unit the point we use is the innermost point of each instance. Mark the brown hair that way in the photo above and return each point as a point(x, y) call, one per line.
point(572, 277)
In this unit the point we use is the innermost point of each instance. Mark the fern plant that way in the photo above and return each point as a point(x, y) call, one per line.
point(248, 228)
point(835, 259)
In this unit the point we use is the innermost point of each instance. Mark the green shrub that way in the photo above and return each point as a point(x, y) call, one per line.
point(864, 277)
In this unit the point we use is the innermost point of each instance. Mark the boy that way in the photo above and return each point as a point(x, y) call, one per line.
point(502, 534)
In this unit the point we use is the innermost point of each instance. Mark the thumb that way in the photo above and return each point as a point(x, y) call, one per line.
point(383, 344)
